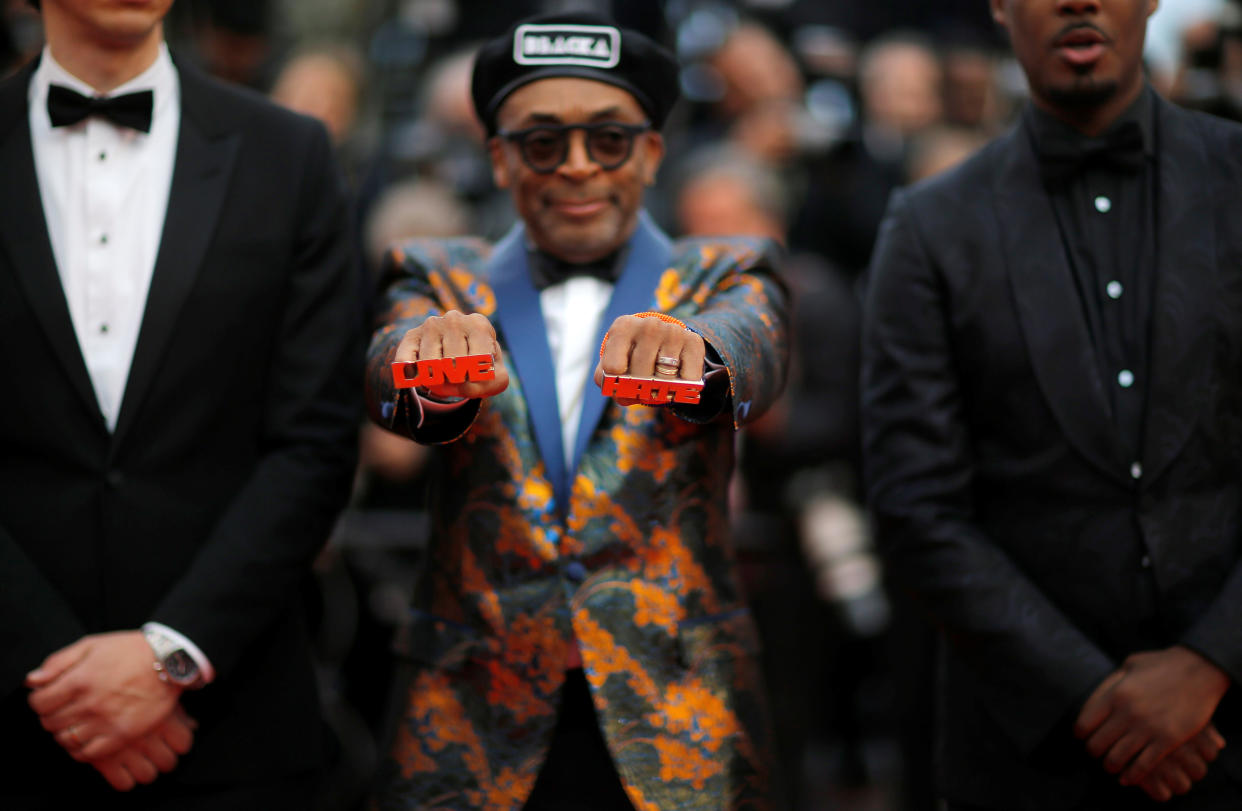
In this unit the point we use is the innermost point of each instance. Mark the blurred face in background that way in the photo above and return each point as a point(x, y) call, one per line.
point(323, 87)
point(1082, 58)
point(579, 211)
point(901, 86)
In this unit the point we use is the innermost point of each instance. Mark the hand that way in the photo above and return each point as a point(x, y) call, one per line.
point(101, 692)
point(453, 335)
point(1153, 704)
point(633, 344)
point(142, 760)
point(1184, 766)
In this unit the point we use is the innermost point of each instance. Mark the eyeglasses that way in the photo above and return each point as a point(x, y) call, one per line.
point(545, 147)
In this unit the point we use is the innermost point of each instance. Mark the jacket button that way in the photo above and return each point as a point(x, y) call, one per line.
point(114, 478)
point(1145, 562)
point(575, 571)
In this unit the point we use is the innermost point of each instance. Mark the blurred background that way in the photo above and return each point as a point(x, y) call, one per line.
point(798, 119)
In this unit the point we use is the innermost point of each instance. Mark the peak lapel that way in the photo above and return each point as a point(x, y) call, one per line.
point(24, 238)
point(204, 162)
point(1182, 326)
point(1049, 309)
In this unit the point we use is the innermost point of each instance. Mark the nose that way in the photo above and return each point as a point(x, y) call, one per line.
point(578, 163)
point(1077, 7)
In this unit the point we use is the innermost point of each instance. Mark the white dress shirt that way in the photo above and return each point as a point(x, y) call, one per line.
point(571, 312)
point(105, 192)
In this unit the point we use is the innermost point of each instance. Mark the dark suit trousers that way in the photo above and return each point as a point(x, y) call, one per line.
point(285, 794)
point(578, 774)
point(1216, 792)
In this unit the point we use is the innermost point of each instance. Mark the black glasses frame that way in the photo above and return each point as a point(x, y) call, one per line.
point(562, 131)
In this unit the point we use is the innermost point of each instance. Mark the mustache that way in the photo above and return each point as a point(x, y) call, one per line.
point(1080, 25)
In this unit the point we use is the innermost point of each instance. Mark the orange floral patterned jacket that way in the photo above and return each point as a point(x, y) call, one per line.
point(637, 566)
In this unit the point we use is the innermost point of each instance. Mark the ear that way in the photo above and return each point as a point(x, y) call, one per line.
point(501, 174)
point(998, 13)
point(653, 155)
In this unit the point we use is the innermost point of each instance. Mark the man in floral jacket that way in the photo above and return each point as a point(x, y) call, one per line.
point(579, 637)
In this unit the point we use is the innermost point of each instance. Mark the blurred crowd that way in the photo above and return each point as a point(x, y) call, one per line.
point(798, 119)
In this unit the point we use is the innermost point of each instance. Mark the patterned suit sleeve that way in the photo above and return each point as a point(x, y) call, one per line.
point(744, 321)
point(410, 297)
point(1033, 665)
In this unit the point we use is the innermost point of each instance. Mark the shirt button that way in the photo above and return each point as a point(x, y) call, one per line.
point(1145, 562)
point(103, 156)
point(103, 239)
point(1103, 204)
point(103, 329)
point(1136, 470)
point(1114, 290)
point(1125, 378)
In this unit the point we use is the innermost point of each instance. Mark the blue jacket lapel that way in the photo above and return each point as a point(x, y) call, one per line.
point(648, 258)
point(520, 318)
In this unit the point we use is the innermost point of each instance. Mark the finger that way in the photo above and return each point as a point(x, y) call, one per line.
point(615, 359)
point(1166, 779)
point(454, 342)
point(431, 338)
point(1214, 737)
point(1097, 708)
point(407, 350)
point(177, 735)
point(1156, 788)
point(1152, 753)
point(693, 355)
point(1187, 759)
point(100, 746)
point(137, 764)
point(1123, 751)
point(116, 774)
point(57, 664)
point(645, 347)
point(1104, 737)
point(158, 752)
point(56, 699)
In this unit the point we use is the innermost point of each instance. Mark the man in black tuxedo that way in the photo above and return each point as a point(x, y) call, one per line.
point(180, 345)
point(1053, 426)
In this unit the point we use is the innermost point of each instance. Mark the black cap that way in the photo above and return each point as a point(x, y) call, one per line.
point(584, 45)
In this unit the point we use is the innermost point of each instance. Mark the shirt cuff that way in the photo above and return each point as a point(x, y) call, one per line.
point(204, 664)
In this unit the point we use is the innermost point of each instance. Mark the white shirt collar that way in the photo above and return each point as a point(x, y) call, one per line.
point(160, 78)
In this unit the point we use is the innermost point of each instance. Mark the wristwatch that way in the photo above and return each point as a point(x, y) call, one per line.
point(172, 662)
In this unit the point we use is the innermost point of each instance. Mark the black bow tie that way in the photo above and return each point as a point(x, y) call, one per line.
point(1062, 156)
point(546, 270)
point(133, 110)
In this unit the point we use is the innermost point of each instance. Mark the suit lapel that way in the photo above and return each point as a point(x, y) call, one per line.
point(648, 258)
point(24, 236)
point(1049, 309)
point(520, 318)
point(201, 172)
point(1182, 327)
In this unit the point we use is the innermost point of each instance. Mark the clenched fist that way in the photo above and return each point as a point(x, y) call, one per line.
point(453, 335)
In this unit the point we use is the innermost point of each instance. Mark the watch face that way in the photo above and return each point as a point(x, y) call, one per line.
point(180, 666)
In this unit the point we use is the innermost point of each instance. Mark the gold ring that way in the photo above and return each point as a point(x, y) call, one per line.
point(666, 366)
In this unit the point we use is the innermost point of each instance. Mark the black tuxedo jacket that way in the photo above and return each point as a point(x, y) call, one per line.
point(1000, 487)
point(233, 450)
